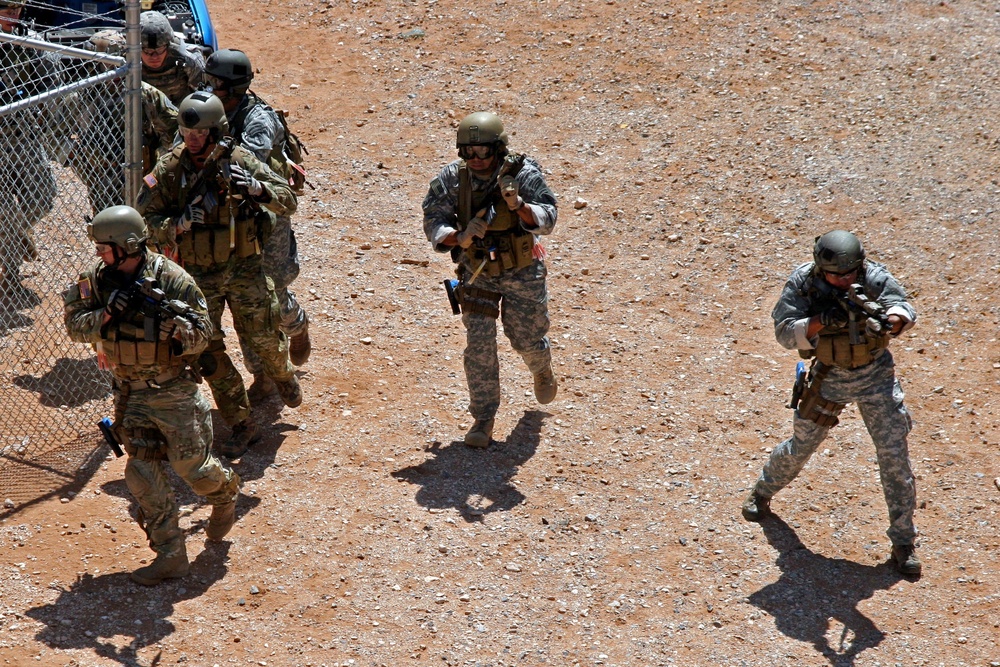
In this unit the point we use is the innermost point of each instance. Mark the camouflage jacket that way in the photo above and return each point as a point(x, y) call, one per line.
point(183, 72)
point(806, 295)
point(84, 304)
point(440, 206)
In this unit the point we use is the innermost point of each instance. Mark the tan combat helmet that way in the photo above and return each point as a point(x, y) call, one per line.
point(481, 128)
point(122, 226)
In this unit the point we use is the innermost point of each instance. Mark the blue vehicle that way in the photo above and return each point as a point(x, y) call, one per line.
point(74, 21)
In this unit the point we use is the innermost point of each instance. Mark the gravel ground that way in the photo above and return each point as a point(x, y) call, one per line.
point(697, 149)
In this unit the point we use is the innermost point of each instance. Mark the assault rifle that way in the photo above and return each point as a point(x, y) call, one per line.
point(157, 308)
point(857, 303)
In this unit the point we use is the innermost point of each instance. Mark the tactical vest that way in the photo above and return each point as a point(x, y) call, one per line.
point(133, 346)
point(172, 79)
point(834, 347)
point(507, 245)
point(285, 158)
point(230, 227)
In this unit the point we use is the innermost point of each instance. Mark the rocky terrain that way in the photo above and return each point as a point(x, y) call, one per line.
point(697, 148)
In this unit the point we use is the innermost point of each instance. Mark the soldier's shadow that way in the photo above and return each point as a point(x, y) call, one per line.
point(96, 613)
point(70, 382)
point(262, 454)
point(816, 599)
point(475, 481)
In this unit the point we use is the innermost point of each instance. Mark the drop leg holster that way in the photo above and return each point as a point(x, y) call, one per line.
point(812, 405)
point(476, 300)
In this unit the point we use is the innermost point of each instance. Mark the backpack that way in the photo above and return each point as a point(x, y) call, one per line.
point(286, 159)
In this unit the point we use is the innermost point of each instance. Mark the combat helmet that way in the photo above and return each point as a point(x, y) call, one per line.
point(109, 41)
point(838, 252)
point(12, 3)
point(155, 30)
point(122, 226)
point(232, 69)
point(482, 128)
point(202, 110)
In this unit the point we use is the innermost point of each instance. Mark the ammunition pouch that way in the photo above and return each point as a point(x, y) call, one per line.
point(503, 252)
point(480, 301)
point(208, 245)
point(815, 408)
point(153, 447)
point(837, 350)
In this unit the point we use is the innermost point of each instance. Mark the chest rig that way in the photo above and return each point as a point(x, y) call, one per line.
point(230, 225)
point(132, 345)
point(846, 347)
point(506, 246)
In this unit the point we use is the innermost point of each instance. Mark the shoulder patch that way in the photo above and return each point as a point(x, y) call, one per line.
point(437, 187)
point(85, 289)
point(149, 180)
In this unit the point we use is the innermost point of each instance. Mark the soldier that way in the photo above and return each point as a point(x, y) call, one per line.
point(210, 203)
point(487, 208)
point(160, 414)
point(258, 128)
point(168, 63)
point(27, 185)
point(851, 363)
point(98, 153)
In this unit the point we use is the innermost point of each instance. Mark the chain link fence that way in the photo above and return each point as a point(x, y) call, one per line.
point(62, 158)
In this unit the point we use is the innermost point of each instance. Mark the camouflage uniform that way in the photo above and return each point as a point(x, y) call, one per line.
point(158, 403)
point(225, 261)
point(520, 294)
point(872, 386)
point(27, 185)
point(182, 73)
point(256, 126)
point(98, 157)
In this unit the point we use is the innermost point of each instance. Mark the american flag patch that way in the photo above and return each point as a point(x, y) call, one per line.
point(149, 180)
point(84, 287)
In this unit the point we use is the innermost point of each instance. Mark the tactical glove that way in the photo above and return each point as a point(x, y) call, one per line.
point(508, 189)
point(242, 179)
point(117, 303)
point(193, 215)
point(475, 230)
point(834, 317)
point(167, 326)
point(874, 328)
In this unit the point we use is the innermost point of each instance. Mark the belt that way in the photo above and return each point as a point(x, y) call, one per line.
point(157, 382)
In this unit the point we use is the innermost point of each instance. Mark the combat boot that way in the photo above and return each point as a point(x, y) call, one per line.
point(545, 386)
point(261, 389)
point(480, 433)
point(299, 347)
point(244, 434)
point(221, 521)
point(756, 507)
point(290, 391)
point(163, 567)
point(905, 558)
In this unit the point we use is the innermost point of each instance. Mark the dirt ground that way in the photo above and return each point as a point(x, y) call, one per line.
point(696, 148)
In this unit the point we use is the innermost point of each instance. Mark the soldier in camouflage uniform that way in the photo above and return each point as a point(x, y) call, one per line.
point(487, 209)
point(169, 63)
point(852, 363)
point(98, 155)
point(27, 185)
point(160, 414)
point(258, 128)
point(211, 203)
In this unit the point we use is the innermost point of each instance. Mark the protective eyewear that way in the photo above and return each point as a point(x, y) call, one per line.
point(158, 51)
point(102, 248)
point(481, 151)
point(216, 83)
point(840, 276)
point(194, 132)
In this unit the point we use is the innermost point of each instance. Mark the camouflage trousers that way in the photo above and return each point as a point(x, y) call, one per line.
point(281, 264)
point(29, 191)
point(524, 313)
point(879, 397)
point(182, 415)
point(241, 283)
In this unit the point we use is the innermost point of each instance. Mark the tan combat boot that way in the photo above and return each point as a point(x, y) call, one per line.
point(290, 391)
point(163, 567)
point(244, 434)
point(221, 521)
point(261, 389)
point(480, 433)
point(905, 558)
point(756, 507)
point(545, 386)
point(299, 347)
